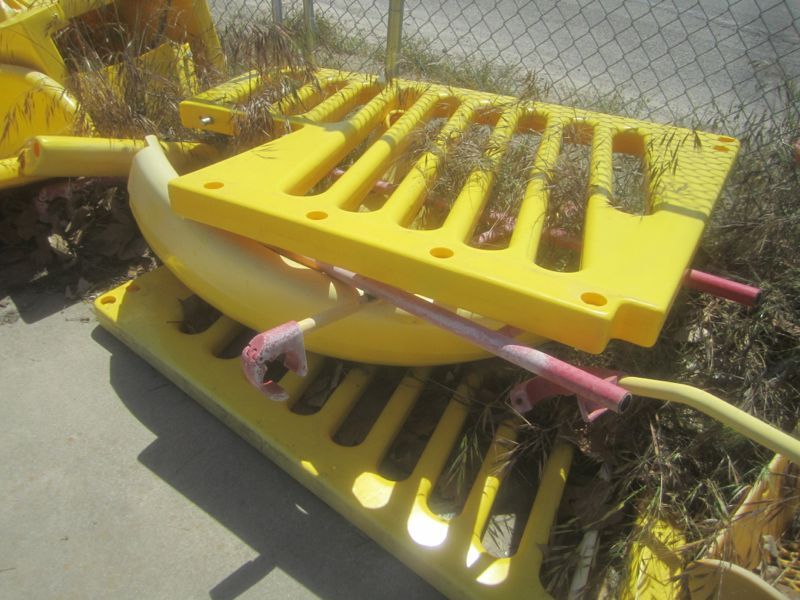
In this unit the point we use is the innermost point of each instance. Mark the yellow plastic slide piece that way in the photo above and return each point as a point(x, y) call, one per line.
point(182, 21)
point(710, 579)
point(632, 265)
point(259, 288)
point(146, 314)
point(170, 61)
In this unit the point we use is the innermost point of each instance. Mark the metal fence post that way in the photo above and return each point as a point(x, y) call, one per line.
point(393, 38)
point(310, 23)
point(277, 12)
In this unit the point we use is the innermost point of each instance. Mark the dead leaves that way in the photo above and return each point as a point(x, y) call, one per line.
point(78, 226)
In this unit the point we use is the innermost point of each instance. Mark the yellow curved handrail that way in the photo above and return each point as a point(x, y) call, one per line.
point(749, 426)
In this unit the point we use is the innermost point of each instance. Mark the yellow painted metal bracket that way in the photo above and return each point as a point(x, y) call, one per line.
point(145, 314)
point(631, 264)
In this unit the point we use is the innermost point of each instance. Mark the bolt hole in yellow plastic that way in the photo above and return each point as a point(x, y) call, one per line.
point(442, 252)
point(317, 215)
point(133, 288)
point(726, 139)
point(722, 149)
point(214, 185)
point(594, 298)
point(108, 300)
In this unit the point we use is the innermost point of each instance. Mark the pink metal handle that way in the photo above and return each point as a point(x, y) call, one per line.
point(284, 340)
point(577, 381)
point(528, 394)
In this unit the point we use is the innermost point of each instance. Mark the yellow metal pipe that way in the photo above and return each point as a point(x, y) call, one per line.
point(716, 408)
point(66, 156)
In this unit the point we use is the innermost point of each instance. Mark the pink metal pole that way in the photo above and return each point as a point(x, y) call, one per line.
point(724, 288)
point(569, 377)
point(701, 281)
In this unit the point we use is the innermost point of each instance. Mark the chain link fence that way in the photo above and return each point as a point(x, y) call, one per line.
point(719, 64)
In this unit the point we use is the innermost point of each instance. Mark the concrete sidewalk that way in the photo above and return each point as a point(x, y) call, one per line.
point(115, 484)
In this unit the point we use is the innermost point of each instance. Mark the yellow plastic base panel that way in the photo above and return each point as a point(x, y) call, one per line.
point(313, 192)
point(146, 315)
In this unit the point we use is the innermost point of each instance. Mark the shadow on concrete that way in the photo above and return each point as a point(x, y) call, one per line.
point(287, 525)
point(32, 306)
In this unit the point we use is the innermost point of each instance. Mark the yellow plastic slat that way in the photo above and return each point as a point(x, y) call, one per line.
point(631, 264)
point(146, 314)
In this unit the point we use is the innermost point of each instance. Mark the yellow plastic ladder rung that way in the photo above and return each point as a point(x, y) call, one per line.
point(469, 204)
point(601, 168)
point(335, 107)
point(394, 414)
point(359, 179)
point(404, 203)
point(218, 334)
point(533, 208)
point(337, 139)
point(471, 522)
point(295, 385)
point(342, 400)
point(444, 437)
point(537, 530)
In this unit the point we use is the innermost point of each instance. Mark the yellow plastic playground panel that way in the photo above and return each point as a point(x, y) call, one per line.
point(28, 31)
point(631, 263)
point(449, 553)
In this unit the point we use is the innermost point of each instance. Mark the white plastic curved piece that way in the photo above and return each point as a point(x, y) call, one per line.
point(257, 287)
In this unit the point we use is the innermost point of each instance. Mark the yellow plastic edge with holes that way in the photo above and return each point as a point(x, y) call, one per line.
point(631, 267)
point(257, 287)
point(145, 315)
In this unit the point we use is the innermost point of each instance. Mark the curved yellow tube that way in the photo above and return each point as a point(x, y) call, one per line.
point(716, 408)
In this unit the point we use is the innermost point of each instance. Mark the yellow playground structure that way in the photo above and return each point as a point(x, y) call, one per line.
point(318, 237)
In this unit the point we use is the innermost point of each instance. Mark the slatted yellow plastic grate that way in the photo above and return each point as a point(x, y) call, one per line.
point(146, 315)
point(631, 265)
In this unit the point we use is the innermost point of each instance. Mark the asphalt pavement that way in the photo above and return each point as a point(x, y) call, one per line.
point(115, 484)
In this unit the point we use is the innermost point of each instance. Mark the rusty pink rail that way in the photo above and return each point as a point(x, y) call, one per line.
point(577, 381)
point(722, 287)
